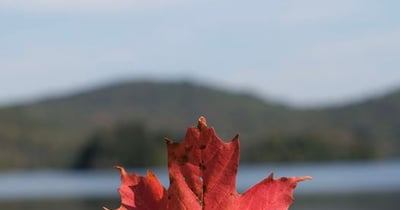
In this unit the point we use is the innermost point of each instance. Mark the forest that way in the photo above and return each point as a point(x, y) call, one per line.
point(126, 123)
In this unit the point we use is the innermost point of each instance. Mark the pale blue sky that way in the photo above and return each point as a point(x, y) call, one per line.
point(305, 52)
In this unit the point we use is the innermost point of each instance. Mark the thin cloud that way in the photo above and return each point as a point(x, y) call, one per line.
point(85, 6)
point(316, 11)
point(303, 52)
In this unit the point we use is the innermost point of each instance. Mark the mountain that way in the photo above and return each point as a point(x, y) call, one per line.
point(80, 129)
point(375, 121)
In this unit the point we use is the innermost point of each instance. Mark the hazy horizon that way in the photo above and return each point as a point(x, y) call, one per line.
point(49, 95)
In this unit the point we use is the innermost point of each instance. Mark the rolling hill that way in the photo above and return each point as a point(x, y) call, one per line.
point(56, 132)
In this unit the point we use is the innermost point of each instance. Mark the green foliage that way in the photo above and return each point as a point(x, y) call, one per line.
point(54, 132)
point(129, 144)
point(307, 146)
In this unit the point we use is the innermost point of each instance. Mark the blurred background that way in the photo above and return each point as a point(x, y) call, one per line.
point(312, 87)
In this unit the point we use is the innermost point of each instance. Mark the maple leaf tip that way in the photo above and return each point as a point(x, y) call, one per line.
point(150, 174)
point(202, 123)
point(121, 169)
point(303, 178)
point(168, 140)
point(270, 177)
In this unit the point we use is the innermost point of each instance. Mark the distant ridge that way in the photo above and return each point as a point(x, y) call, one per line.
point(52, 132)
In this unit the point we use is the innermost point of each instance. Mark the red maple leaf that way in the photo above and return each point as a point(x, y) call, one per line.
point(202, 171)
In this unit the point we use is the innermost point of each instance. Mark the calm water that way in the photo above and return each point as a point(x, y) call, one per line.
point(349, 186)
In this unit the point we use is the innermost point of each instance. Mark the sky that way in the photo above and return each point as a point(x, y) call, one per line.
point(298, 52)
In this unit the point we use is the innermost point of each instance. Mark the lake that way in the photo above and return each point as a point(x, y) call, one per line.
point(338, 185)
